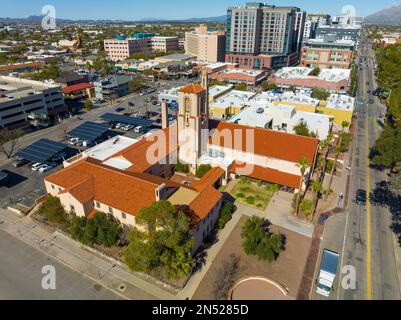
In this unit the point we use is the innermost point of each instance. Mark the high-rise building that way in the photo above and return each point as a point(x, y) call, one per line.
point(313, 21)
point(206, 45)
point(261, 36)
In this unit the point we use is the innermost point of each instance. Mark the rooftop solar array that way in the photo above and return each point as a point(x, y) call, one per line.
point(127, 120)
point(89, 131)
point(3, 176)
point(41, 151)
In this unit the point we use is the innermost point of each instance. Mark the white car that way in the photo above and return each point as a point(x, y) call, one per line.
point(73, 141)
point(47, 167)
point(119, 126)
point(36, 166)
point(128, 127)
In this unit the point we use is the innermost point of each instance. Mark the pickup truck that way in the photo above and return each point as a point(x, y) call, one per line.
point(327, 273)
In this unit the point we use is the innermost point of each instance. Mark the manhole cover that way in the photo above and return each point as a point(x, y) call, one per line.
point(122, 287)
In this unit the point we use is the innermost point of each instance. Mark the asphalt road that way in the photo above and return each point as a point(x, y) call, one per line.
point(21, 276)
point(368, 241)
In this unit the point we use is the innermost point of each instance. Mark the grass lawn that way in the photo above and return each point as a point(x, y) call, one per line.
point(249, 193)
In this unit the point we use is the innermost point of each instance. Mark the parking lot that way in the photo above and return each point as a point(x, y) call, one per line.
point(24, 186)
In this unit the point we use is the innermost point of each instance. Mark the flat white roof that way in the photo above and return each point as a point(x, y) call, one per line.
point(341, 102)
point(332, 75)
point(109, 148)
point(251, 117)
point(215, 90)
point(233, 98)
point(218, 65)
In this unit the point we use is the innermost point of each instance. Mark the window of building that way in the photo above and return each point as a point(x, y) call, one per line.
point(123, 215)
point(110, 210)
point(53, 186)
point(72, 209)
point(97, 205)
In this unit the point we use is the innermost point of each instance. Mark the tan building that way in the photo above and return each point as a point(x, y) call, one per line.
point(122, 48)
point(164, 44)
point(207, 46)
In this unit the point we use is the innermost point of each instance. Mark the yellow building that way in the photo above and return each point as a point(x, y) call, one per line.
point(297, 106)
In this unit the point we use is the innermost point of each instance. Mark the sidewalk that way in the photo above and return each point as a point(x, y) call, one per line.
point(70, 253)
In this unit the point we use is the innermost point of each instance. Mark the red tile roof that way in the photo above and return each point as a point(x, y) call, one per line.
point(205, 202)
point(209, 179)
point(267, 143)
point(193, 88)
point(78, 87)
point(270, 175)
point(21, 66)
point(88, 179)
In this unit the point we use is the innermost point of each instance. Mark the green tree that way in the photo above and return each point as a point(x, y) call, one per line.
point(306, 206)
point(136, 84)
point(240, 87)
point(301, 129)
point(316, 71)
point(164, 242)
point(88, 105)
point(303, 165)
point(202, 170)
point(52, 210)
point(320, 94)
point(266, 85)
point(215, 83)
point(317, 188)
point(100, 230)
point(226, 214)
point(181, 167)
point(259, 242)
point(387, 149)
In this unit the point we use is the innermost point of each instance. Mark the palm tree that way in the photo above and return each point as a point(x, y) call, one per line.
point(339, 149)
point(317, 188)
point(303, 164)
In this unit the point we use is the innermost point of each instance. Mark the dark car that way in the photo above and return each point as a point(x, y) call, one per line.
point(131, 104)
point(20, 162)
point(361, 197)
point(120, 109)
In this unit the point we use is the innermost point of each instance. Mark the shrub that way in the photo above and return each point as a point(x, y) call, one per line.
point(100, 230)
point(226, 214)
point(259, 183)
point(250, 200)
point(52, 210)
point(181, 167)
point(240, 195)
point(202, 170)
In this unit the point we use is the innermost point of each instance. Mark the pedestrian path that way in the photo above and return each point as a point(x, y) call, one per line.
point(70, 253)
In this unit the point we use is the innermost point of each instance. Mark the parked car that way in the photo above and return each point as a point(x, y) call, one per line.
point(131, 104)
point(140, 129)
point(47, 167)
point(120, 109)
point(20, 163)
point(88, 143)
point(327, 273)
point(119, 125)
point(73, 141)
point(36, 166)
point(128, 127)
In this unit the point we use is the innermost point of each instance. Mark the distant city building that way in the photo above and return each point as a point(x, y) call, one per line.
point(123, 47)
point(207, 46)
point(313, 21)
point(20, 67)
point(339, 32)
point(261, 36)
point(327, 52)
point(20, 99)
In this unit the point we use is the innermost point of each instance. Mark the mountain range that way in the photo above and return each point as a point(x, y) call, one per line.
point(388, 16)
point(38, 19)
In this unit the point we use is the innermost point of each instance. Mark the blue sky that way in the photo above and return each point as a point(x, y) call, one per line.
point(169, 9)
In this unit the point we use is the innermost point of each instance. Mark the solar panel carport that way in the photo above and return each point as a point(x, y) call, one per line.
point(41, 151)
point(116, 118)
point(89, 131)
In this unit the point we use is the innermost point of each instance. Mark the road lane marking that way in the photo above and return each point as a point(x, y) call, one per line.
point(368, 213)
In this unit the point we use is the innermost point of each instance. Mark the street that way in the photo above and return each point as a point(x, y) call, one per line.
point(368, 241)
point(21, 276)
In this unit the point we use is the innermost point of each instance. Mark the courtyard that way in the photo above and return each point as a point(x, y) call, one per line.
point(287, 270)
point(253, 193)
